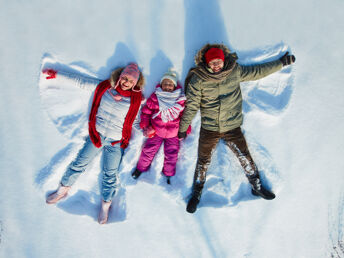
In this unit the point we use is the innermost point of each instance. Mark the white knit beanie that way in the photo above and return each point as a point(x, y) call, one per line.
point(171, 74)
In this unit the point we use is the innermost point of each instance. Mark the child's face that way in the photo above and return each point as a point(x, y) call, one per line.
point(126, 82)
point(167, 85)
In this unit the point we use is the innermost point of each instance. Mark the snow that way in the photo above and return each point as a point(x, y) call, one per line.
point(293, 125)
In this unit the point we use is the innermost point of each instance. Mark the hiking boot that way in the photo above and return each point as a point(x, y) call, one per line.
point(264, 193)
point(195, 198)
point(258, 189)
point(192, 204)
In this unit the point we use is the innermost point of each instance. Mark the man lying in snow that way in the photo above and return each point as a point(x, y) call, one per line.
point(213, 86)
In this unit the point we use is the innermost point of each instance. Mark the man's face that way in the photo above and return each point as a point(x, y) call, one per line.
point(216, 65)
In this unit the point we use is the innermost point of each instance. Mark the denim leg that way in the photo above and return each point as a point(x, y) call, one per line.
point(111, 161)
point(85, 156)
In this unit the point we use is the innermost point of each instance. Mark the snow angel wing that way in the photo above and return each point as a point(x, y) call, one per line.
point(65, 92)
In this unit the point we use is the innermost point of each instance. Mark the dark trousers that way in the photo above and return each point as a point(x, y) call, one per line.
point(235, 140)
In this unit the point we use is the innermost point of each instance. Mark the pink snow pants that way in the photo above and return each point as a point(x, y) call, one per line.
point(151, 147)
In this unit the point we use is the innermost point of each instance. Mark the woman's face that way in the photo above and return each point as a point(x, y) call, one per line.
point(216, 65)
point(167, 85)
point(126, 82)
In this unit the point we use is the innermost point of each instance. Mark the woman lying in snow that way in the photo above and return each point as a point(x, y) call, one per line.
point(114, 108)
point(160, 122)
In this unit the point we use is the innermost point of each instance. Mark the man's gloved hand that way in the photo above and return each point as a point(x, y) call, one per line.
point(182, 135)
point(287, 59)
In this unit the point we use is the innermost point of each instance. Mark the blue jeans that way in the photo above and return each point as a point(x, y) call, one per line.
point(112, 157)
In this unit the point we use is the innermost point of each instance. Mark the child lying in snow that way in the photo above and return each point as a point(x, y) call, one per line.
point(160, 122)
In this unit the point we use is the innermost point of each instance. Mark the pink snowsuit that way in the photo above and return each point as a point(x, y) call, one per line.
point(162, 113)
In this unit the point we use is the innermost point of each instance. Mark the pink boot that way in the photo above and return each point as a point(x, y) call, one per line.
point(104, 212)
point(61, 192)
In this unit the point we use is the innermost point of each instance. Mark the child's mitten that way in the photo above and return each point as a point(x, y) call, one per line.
point(149, 132)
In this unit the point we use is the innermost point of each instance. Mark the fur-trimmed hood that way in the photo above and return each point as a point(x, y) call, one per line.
point(200, 59)
point(202, 70)
point(117, 72)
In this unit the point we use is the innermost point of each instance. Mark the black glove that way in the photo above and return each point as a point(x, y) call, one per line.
point(287, 59)
point(181, 135)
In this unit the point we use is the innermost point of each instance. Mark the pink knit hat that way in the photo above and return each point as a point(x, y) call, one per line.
point(131, 70)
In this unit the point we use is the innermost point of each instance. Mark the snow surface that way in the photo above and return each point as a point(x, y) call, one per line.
point(293, 124)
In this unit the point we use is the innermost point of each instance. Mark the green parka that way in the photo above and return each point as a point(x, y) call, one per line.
point(218, 96)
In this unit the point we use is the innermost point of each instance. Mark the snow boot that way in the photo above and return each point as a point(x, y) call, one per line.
point(60, 193)
point(104, 212)
point(168, 180)
point(264, 193)
point(195, 198)
point(136, 174)
point(258, 189)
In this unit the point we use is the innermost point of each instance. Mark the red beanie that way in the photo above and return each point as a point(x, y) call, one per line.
point(214, 53)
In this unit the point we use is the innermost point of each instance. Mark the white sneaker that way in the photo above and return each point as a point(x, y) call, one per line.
point(60, 193)
point(104, 212)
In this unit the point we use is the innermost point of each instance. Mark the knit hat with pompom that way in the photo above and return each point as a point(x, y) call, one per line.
point(171, 74)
